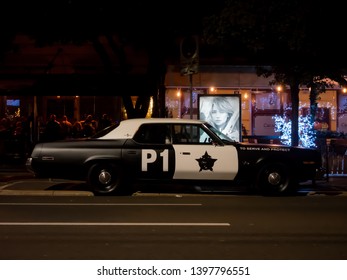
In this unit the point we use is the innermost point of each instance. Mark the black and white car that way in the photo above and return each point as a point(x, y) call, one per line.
point(172, 150)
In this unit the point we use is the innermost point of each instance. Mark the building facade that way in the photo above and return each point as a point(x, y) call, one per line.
point(260, 101)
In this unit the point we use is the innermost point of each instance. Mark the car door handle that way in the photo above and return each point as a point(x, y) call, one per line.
point(185, 153)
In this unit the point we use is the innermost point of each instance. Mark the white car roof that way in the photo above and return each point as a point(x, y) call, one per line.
point(127, 128)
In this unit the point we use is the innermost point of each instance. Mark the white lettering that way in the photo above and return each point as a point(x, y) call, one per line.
point(165, 156)
point(148, 156)
point(253, 148)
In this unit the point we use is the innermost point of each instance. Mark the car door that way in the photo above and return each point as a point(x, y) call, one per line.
point(150, 154)
point(197, 159)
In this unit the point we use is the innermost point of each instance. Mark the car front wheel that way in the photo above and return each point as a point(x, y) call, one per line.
point(105, 179)
point(274, 179)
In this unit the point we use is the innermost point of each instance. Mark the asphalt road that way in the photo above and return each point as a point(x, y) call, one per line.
point(173, 226)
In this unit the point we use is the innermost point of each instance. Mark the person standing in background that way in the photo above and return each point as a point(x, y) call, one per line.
point(76, 130)
point(52, 130)
point(89, 126)
point(104, 122)
point(66, 127)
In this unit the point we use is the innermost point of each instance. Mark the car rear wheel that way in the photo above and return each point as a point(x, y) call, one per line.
point(105, 179)
point(274, 179)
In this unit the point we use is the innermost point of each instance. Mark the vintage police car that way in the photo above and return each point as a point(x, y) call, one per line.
point(172, 150)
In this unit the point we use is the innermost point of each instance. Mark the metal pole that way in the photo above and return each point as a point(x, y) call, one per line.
point(191, 95)
point(35, 124)
point(94, 109)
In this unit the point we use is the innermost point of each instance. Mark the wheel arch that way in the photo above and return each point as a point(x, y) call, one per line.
point(274, 158)
point(88, 163)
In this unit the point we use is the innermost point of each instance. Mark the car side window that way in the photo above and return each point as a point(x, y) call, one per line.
point(153, 134)
point(187, 134)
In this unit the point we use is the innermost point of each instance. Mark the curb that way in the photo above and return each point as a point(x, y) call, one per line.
point(45, 193)
point(328, 193)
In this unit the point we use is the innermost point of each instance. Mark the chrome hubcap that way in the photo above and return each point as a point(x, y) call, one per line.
point(104, 177)
point(274, 178)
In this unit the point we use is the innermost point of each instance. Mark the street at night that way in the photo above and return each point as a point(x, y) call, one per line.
point(177, 140)
point(171, 225)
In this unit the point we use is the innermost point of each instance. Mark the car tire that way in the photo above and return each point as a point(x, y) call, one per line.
point(274, 179)
point(105, 179)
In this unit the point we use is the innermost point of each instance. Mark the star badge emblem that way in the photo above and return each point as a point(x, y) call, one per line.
point(206, 162)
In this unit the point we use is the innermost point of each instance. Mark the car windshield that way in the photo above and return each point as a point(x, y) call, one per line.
point(219, 134)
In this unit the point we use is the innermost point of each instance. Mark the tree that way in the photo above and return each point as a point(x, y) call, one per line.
point(149, 26)
point(289, 38)
point(80, 22)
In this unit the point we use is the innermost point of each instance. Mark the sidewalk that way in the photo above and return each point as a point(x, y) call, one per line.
point(14, 171)
point(333, 182)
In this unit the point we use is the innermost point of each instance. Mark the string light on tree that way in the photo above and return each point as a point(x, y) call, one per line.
point(307, 134)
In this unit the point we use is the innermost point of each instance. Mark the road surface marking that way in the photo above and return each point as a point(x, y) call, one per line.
point(109, 224)
point(100, 204)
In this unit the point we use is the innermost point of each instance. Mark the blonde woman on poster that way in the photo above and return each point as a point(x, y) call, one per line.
point(222, 113)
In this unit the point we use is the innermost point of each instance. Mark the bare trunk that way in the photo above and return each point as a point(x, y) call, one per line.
point(294, 92)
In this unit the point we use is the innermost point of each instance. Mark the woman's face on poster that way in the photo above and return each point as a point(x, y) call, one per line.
point(218, 117)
